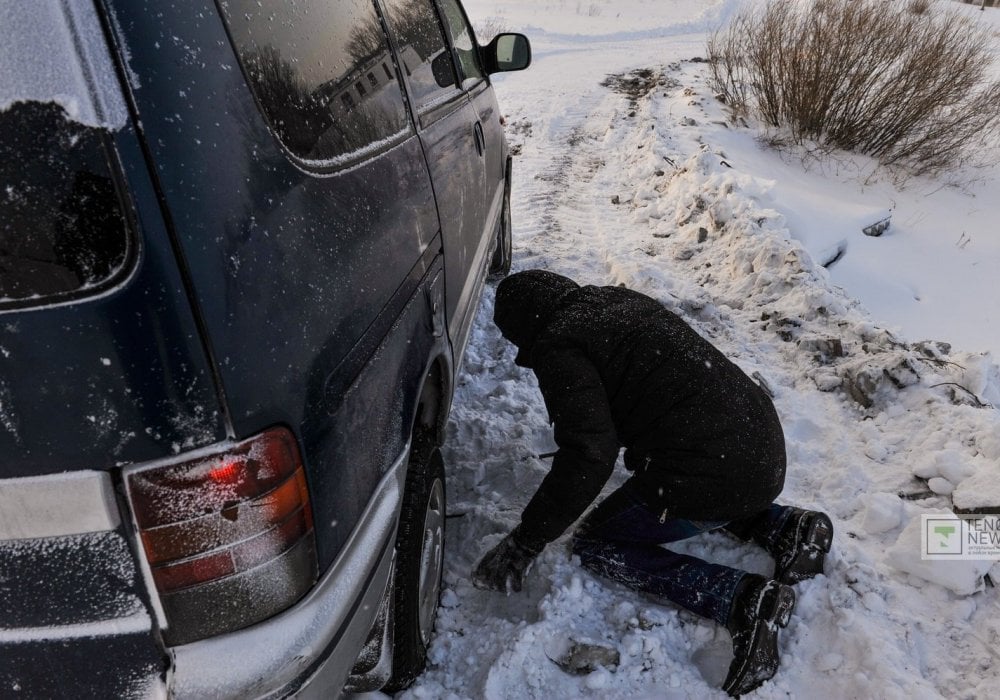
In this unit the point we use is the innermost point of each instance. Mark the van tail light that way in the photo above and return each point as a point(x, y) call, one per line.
point(228, 535)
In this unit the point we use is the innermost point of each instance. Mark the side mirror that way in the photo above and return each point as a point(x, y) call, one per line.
point(507, 52)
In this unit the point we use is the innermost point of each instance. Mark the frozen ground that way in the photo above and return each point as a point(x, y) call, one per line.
point(653, 191)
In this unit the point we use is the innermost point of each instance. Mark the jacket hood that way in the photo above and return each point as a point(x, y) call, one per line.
point(524, 305)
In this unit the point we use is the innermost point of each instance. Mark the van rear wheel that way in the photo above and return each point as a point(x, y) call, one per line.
point(419, 564)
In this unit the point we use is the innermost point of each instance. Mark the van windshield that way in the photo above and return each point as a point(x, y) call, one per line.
point(63, 232)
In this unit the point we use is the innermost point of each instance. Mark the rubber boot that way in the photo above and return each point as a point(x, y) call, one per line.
point(760, 607)
point(805, 539)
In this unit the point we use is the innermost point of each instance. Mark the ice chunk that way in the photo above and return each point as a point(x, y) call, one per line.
point(981, 490)
point(885, 512)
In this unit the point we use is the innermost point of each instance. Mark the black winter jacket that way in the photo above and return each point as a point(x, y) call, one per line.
point(617, 369)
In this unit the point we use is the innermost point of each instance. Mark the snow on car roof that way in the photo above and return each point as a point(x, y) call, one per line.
point(54, 51)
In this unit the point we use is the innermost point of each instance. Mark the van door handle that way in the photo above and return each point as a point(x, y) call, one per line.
point(477, 131)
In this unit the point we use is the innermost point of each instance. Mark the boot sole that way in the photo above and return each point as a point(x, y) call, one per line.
point(819, 534)
point(775, 608)
point(811, 548)
point(776, 605)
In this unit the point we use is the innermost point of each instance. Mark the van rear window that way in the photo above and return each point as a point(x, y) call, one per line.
point(63, 233)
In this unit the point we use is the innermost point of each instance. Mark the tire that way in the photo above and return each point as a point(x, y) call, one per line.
point(419, 564)
point(504, 253)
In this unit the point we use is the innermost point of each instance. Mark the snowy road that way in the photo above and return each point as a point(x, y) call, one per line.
point(651, 191)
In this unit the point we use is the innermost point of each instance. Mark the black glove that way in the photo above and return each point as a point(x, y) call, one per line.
point(503, 566)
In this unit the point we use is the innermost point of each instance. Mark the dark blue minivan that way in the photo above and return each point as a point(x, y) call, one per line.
point(241, 248)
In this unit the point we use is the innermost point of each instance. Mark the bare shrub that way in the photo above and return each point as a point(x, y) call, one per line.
point(909, 88)
point(489, 28)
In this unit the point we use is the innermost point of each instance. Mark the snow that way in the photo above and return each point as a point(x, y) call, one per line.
point(74, 70)
point(960, 577)
point(56, 505)
point(137, 621)
point(656, 192)
point(882, 362)
point(884, 513)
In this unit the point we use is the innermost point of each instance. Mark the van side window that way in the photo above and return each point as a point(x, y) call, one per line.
point(463, 38)
point(307, 63)
point(420, 41)
point(63, 231)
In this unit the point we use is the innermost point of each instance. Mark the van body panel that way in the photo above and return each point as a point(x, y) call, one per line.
point(114, 379)
point(290, 266)
point(264, 289)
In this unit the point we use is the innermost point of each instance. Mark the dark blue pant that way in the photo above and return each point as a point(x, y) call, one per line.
point(621, 539)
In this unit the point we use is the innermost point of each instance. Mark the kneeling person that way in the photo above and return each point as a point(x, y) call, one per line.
point(703, 443)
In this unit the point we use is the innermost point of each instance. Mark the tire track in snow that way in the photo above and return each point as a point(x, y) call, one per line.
point(558, 192)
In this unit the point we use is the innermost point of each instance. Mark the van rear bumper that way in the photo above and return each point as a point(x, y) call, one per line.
point(308, 650)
